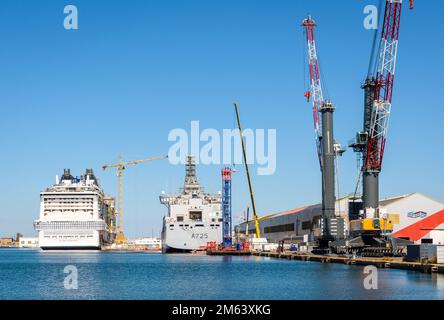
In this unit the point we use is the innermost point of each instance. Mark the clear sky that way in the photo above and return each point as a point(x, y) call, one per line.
point(137, 69)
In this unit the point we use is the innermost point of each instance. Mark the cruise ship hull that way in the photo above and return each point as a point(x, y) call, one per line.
point(73, 248)
point(69, 241)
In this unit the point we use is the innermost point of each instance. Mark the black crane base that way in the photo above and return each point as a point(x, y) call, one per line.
point(323, 245)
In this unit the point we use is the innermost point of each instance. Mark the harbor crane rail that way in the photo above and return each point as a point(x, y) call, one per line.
point(121, 166)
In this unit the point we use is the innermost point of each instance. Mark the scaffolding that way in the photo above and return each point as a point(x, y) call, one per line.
point(226, 206)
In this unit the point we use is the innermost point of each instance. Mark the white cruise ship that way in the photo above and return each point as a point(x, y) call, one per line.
point(75, 214)
point(193, 218)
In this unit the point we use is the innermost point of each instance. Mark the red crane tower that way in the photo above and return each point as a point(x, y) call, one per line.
point(226, 206)
point(332, 228)
point(315, 93)
point(383, 93)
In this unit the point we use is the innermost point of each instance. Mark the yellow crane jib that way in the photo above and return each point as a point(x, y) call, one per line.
point(120, 238)
point(247, 169)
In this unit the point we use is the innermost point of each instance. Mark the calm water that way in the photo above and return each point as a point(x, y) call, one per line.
point(32, 274)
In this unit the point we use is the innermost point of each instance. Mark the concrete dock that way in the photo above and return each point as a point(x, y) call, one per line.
point(386, 262)
point(228, 253)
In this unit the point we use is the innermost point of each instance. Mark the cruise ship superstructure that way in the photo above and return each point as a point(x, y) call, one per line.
point(75, 214)
point(193, 218)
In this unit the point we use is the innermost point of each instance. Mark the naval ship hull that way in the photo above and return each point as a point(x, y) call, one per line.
point(188, 237)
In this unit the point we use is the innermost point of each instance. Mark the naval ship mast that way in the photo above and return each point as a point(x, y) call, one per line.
point(191, 184)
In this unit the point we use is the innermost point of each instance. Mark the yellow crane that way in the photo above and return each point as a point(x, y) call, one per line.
point(120, 238)
point(247, 169)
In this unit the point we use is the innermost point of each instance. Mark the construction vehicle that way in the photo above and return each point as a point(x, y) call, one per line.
point(247, 169)
point(121, 166)
point(370, 230)
point(332, 228)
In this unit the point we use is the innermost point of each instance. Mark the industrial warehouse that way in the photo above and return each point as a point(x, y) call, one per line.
point(415, 217)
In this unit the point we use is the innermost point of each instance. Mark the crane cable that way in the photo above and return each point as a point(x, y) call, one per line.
point(371, 67)
point(358, 183)
point(370, 72)
point(304, 63)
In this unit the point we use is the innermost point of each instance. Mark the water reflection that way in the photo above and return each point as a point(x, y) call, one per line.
point(30, 274)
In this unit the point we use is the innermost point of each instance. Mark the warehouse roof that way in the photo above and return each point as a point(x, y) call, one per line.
point(284, 213)
point(384, 202)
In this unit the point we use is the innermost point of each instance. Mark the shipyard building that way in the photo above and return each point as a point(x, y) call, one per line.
point(415, 216)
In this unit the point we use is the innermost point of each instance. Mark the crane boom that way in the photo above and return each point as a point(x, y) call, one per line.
point(383, 93)
point(247, 169)
point(120, 167)
point(315, 92)
point(106, 166)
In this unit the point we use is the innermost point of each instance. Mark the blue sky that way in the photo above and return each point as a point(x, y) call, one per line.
point(137, 69)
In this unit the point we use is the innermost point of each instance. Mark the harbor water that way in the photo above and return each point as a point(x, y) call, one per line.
point(33, 274)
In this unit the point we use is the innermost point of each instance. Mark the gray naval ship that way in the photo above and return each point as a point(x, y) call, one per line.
point(194, 217)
